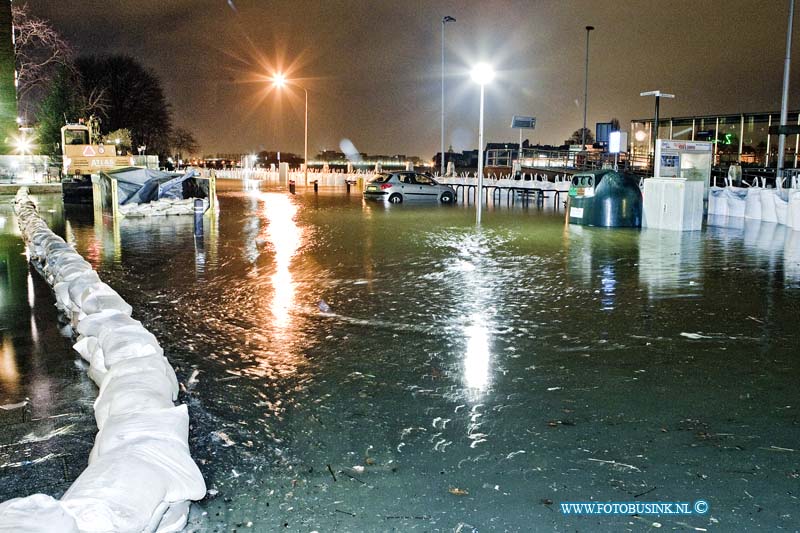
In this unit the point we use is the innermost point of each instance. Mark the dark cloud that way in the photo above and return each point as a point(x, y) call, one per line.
point(373, 67)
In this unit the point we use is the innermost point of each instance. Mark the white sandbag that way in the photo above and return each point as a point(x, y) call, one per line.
point(97, 368)
point(793, 215)
point(735, 198)
point(129, 342)
point(90, 350)
point(72, 270)
point(768, 205)
point(61, 291)
point(716, 202)
point(37, 513)
point(140, 365)
point(109, 319)
point(85, 347)
point(78, 286)
point(160, 437)
point(116, 493)
point(781, 208)
point(174, 519)
point(102, 298)
point(131, 393)
point(168, 426)
point(752, 208)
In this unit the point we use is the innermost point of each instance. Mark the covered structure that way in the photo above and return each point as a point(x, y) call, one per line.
point(115, 192)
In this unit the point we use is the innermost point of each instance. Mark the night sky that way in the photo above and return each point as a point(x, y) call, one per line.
point(372, 68)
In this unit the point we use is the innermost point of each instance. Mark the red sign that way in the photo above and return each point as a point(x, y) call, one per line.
point(89, 151)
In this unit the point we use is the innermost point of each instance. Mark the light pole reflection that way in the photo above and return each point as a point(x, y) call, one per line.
point(285, 237)
point(476, 358)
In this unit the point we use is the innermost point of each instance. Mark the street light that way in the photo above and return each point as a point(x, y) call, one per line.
point(481, 74)
point(585, 89)
point(445, 20)
point(654, 131)
point(280, 81)
point(785, 96)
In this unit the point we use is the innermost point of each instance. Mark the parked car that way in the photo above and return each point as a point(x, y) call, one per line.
point(396, 187)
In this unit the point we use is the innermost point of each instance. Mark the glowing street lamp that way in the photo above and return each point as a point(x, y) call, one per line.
point(280, 81)
point(654, 130)
point(481, 74)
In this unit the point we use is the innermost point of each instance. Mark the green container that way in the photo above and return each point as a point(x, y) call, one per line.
point(605, 198)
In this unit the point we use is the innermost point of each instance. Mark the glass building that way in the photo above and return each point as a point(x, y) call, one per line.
point(743, 138)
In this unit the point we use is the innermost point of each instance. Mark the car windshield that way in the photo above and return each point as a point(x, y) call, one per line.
point(382, 178)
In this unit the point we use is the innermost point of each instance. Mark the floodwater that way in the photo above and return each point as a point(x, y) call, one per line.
point(351, 366)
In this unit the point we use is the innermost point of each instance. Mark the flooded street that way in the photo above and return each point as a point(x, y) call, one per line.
point(352, 366)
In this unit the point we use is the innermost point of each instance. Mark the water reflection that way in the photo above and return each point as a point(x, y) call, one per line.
point(285, 237)
point(9, 373)
point(476, 358)
point(668, 262)
point(609, 284)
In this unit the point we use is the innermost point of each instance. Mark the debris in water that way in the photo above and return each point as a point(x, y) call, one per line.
point(12, 406)
point(615, 463)
point(458, 492)
point(222, 436)
point(694, 336)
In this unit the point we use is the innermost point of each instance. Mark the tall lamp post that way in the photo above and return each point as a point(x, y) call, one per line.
point(654, 131)
point(785, 95)
point(280, 81)
point(481, 74)
point(445, 20)
point(585, 89)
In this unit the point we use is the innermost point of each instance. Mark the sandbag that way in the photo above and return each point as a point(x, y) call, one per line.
point(793, 214)
point(149, 363)
point(129, 393)
point(752, 208)
point(129, 342)
point(37, 513)
point(110, 319)
point(781, 208)
point(768, 205)
point(735, 198)
point(158, 437)
point(717, 204)
point(78, 286)
point(116, 493)
point(101, 298)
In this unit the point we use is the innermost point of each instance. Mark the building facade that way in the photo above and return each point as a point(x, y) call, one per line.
point(740, 138)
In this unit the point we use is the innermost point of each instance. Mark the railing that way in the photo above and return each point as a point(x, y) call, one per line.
point(534, 158)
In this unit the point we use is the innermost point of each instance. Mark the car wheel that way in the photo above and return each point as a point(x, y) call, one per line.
point(447, 197)
point(395, 199)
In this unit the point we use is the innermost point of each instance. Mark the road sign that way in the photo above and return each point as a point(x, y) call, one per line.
point(522, 122)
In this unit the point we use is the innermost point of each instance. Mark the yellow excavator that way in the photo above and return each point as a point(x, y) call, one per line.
point(84, 154)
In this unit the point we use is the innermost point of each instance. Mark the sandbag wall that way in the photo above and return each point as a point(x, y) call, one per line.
point(141, 476)
point(781, 206)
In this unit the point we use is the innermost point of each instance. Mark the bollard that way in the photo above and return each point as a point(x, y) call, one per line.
point(198, 217)
point(347, 182)
point(291, 186)
point(316, 185)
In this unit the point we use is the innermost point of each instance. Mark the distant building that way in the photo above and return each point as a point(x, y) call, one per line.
point(738, 138)
point(465, 159)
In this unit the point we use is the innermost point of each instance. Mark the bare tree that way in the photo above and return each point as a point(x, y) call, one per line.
point(183, 141)
point(40, 51)
point(577, 135)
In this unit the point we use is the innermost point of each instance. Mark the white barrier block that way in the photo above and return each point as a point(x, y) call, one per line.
point(37, 513)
